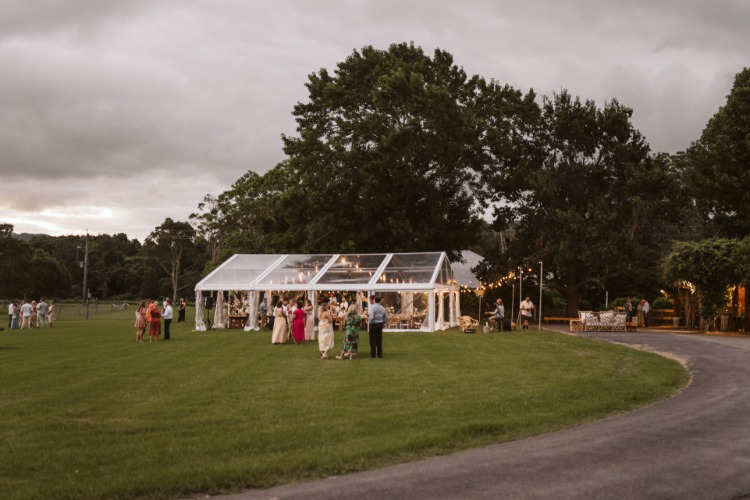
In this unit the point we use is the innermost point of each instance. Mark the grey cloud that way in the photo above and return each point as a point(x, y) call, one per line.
point(99, 94)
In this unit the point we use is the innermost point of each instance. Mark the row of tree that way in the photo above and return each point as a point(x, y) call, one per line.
point(168, 263)
point(400, 151)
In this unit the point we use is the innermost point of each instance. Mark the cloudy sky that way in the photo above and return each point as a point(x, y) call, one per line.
point(117, 114)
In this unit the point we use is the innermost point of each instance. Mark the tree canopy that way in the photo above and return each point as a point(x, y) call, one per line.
point(392, 154)
point(712, 266)
point(590, 201)
point(718, 167)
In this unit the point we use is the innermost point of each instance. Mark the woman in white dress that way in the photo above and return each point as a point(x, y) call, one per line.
point(309, 321)
point(325, 331)
point(279, 324)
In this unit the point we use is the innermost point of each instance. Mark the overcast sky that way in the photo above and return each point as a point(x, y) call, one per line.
point(117, 114)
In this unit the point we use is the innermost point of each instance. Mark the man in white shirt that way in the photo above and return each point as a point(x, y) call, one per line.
point(25, 315)
point(527, 311)
point(645, 309)
point(167, 315)
point(41, 313)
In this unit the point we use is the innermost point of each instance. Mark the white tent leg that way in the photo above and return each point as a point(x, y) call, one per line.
point(199, 325)
point(252, 318)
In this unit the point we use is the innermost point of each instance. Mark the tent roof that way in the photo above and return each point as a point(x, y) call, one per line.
point(462, 271)
point(383, 271)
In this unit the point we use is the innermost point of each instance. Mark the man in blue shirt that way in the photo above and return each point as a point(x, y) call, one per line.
point(377, 317)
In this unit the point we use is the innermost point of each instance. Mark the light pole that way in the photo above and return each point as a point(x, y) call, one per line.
point(520, 291)
point(541, 278)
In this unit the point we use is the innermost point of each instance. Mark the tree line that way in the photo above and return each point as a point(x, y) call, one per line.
point(397, 150)
point(167, 264)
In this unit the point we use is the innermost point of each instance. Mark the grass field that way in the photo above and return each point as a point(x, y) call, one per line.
point(88, 413)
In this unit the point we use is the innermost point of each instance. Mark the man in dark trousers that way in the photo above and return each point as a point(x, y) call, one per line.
point(167, 315)
point(377, 317)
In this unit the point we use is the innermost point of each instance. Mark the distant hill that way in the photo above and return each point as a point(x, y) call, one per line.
point(26, 236)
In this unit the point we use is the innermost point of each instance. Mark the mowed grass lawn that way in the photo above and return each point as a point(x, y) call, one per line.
point(85, 412)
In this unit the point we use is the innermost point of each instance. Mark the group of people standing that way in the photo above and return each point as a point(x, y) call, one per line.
point(289, 321)
point(149, 316)
point(298, 324)
point(640, 312)
point(30, 314)
point(526, 312)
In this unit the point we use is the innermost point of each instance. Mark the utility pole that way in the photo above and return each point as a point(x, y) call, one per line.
point(86, 274)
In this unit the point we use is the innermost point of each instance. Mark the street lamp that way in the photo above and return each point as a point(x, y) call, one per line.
point(541, 278)
point(520, 291)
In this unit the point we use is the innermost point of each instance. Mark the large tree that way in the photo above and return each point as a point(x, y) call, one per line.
point(391, 153)
point(718, 171)
point(589, 201)
point(712, 266)
point(172, 248)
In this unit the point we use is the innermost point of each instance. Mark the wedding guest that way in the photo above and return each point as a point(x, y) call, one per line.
point(639, 312)
point(378, 317)
point(351, 333)
point(14, 312)
point(181, 307)
point(527, 312)
point(140, 321)
point(33, 314)
point(263, 312)
point(154, 329)
point(51, 313)
point(167, 315)
point(325, 330)
point(41, 313)
point(309, 321)
point(298, 324)
point(25, 315)
point(279, 323)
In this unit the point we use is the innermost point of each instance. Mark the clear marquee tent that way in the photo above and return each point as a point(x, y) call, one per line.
point(419, 290)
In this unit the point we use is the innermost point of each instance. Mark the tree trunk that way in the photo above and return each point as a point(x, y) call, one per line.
point(573, 294)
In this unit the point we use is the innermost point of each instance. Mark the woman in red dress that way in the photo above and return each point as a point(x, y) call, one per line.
point(154, 329)
point(299, 323)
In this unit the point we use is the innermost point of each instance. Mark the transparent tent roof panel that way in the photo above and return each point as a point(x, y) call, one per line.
point(446, 276)
point(412, 271)
point(352, 269)
point(296, 270)
point(239, 271)
point(410, 268)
